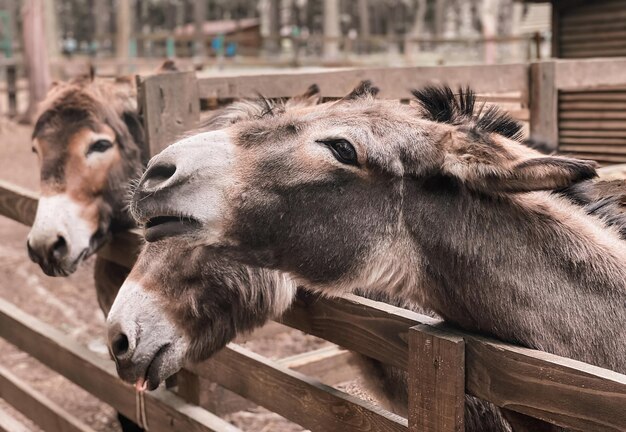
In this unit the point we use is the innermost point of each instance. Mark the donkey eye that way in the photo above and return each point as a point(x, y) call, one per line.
point(100, 146)
point(343, 151)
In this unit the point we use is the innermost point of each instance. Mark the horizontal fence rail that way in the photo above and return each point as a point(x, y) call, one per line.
point(164, 410)
point(555, 389)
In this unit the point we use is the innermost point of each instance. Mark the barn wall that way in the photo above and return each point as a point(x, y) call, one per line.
point(591, 29)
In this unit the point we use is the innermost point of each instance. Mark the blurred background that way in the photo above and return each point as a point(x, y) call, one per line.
point(132, 36)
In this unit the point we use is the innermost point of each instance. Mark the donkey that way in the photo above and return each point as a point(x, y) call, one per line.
point(204, 301)
point(194, 302)
point(408, 201)
point(88, 140)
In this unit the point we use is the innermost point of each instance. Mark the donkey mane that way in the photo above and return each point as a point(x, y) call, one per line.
point(442, 105)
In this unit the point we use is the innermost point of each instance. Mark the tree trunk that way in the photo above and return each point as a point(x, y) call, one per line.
point(35, 55)
point(331, 29)
point(364, 26)
point(122, 41)
point(101, 19)
point(489, 17)
point(417, 31)
point(199, 14)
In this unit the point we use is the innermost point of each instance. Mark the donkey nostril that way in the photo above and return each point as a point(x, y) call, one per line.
point(158, 174)
point(59, 248)
point(119, 345)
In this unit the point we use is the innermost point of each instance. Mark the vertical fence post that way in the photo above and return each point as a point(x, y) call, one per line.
point(436, 380)
point(12, 89)
point(544, 103)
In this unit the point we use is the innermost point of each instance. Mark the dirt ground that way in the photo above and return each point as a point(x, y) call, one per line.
point(70, 305)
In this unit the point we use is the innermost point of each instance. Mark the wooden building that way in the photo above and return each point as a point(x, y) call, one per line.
point(591, 121)
point(587, 28)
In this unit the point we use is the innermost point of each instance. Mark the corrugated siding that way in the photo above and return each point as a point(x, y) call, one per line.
point(594, 29)
point(592, 124)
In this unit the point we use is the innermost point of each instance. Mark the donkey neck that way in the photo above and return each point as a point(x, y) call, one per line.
point(531, 268)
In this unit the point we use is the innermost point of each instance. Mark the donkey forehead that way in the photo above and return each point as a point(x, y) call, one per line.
point(344, 119)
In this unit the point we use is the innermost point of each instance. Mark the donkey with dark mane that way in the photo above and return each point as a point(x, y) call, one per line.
point(215, 299)
point(408, 201)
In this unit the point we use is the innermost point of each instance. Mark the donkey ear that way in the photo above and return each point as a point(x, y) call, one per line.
point(310, 97)
point(365, 89)
point(506, 166)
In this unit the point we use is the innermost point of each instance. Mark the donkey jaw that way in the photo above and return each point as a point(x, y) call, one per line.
point(160, 227)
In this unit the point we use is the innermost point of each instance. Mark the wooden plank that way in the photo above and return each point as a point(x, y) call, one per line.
point(573, 19)
point(376, 329)
point(335, 320)
point(544, 103)
point(609, 150)
point(395, 83)
point(37, 407)
point(595, 124)
point(210, 396)
point(436, 380)
point(589, 73)
point(566, 392)
point(295, 396)
point(10, 424)
point(164, 410)
point(593, 106)
point(593, 52)
point(592, 115)
point(592, 133)
point(18, 203)
point(330, 365)
point(594, 141)
point(170, 107)
point(599, 97)
point(597, 36)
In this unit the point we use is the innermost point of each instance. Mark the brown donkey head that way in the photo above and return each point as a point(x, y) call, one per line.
point(87, 139)
point(326, 192)
point(203, 299)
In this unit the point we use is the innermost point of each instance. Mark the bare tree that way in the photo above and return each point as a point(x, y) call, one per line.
point(331, 29)
point(417, 31)
point(199, 14)
point(122, 42)
point(35, 55)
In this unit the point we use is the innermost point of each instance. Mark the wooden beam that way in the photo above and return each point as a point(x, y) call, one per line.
point(37, 407)
point(170, 106)
point(436, 380)
point(562, 391)
point(331, 365)
point(394, 83)
point(17, 203)
point(589, 73)
point(209, 395)
point(549, 387)
point(294, 396)
point(375, 329)
point(544, 121)
point(11, 424)
point(164, 410)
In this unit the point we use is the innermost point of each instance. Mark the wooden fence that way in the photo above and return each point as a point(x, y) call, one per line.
point(443, 365)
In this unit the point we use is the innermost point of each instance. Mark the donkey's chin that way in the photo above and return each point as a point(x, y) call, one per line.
point(165, 363)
